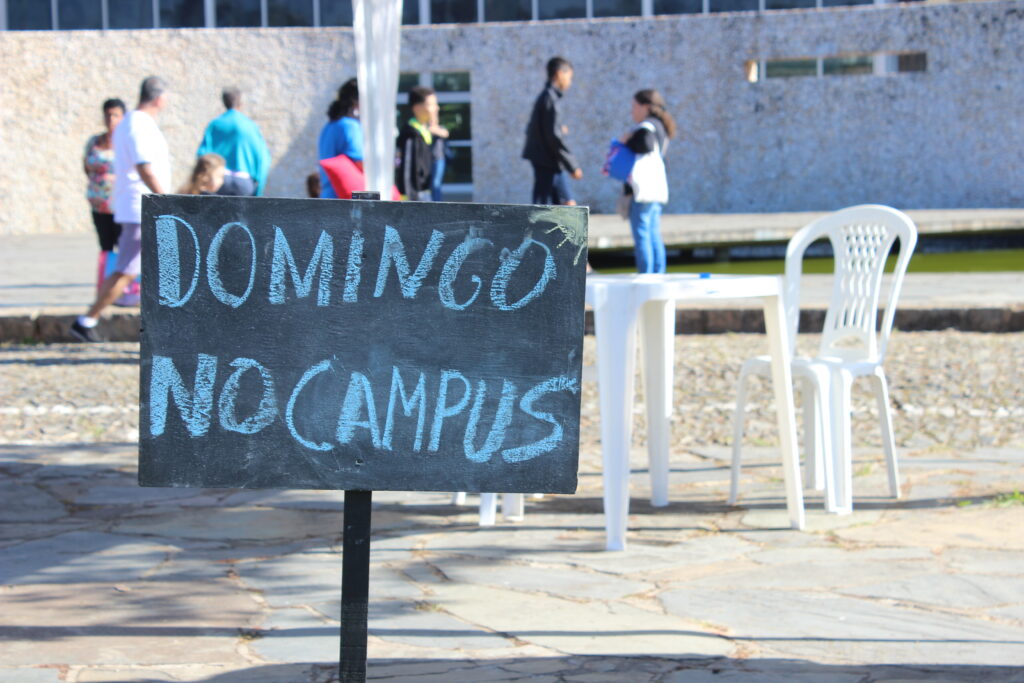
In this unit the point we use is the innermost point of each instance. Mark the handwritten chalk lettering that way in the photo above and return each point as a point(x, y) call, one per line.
point(450, 271)
point(394, 253)
point(358, 416)
point(509, 264)
point(283, 261)
point(265, 413)
point(394, 256)
point(169, 277)
point(415, 402)
point(213, 278)
point(194, 407)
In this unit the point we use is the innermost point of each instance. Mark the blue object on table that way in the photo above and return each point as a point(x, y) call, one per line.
point(705, 276)
point(619, 162)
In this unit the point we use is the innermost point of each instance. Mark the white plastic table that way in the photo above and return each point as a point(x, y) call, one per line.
point(621, 304)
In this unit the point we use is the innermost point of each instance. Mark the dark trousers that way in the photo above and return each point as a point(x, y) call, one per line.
point(550, 186)
point(107, 230)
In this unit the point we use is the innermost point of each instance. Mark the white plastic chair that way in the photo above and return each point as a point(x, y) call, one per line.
point(861, 237)
point(513, 507)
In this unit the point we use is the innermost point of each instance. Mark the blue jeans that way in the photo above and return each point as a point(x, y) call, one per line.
point(436, 178)
point(550, 186)
point(645, 222)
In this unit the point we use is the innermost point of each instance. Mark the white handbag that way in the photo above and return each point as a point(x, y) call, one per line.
point(648, 179)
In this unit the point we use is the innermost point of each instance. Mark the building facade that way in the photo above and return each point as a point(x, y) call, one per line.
point(780, 109)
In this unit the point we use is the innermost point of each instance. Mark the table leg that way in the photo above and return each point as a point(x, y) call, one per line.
point(615, 327)
point(782, 384)
point(657, 335)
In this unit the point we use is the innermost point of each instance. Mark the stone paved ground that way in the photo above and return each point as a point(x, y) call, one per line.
point(103, 581)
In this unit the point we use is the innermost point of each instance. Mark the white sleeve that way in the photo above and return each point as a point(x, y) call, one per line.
point(143, 141)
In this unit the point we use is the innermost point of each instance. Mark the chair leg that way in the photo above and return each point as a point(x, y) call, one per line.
point(812, 436)
point(737, 434)
point(657, 334)
point(881, 387)
point(512, 507)
point(459, 498)
point(842, 445)
point(488, 508)
point(824, 457)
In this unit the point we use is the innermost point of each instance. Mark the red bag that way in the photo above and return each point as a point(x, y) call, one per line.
point(347, 176)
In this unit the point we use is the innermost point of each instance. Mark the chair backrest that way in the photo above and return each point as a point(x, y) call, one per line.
point(862, 237)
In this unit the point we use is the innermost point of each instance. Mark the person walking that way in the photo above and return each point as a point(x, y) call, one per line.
point(415, 146)
point(142, 164)
point(238, 139)
point(648, 184)
point(98, 163)
point(546, 148)
point(342, 134)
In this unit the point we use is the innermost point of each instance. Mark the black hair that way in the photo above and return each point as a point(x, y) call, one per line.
point(556, 64)
point(231, 97)
point(418, 94)
point(152, 88)
point(114, 103)
point(346, 102)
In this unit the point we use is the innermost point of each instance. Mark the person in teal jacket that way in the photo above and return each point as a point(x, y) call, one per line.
point(234, 136)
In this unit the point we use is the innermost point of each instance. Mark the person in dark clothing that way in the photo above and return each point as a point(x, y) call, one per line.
point(545, 145)
point(415, 141)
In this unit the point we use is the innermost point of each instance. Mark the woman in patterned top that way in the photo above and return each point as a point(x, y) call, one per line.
point(99, 169)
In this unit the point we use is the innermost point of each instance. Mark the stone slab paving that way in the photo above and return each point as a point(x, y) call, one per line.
point(101, 580)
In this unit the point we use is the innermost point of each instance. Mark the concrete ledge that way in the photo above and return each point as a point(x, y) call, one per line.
point(124, 326)
point(53, 328)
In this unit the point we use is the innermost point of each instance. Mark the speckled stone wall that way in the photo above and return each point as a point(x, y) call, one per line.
point(950, 137)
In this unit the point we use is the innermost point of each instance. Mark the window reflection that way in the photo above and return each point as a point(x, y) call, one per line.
point(28, 15)
point(79, 14)
point(290, 12)
point(452, 11)
point(562, 9)
point(232, 13)
point(335, 12)
point(181, 14)
point(129, 14)
point(617, 8)
point(678, 6)
point(508, 10)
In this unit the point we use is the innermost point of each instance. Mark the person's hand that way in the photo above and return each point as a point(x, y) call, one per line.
point(577, 174)
point(570, 202)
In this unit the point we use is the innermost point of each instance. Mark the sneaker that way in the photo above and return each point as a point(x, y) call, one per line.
point(83, 333)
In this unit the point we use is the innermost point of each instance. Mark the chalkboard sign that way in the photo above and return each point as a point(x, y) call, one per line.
point(360, 345)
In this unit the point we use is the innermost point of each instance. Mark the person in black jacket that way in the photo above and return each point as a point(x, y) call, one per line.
point(545, 145)
point(415, 156)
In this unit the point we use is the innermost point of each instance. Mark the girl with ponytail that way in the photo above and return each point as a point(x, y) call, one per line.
point(647, 186)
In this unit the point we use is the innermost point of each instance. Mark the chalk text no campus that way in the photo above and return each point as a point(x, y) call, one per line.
point(440, 394)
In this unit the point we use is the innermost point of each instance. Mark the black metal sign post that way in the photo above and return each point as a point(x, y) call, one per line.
point(355, 572)
point(355, 586)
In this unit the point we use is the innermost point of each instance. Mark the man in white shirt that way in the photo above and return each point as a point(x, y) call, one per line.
point(142, 164)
